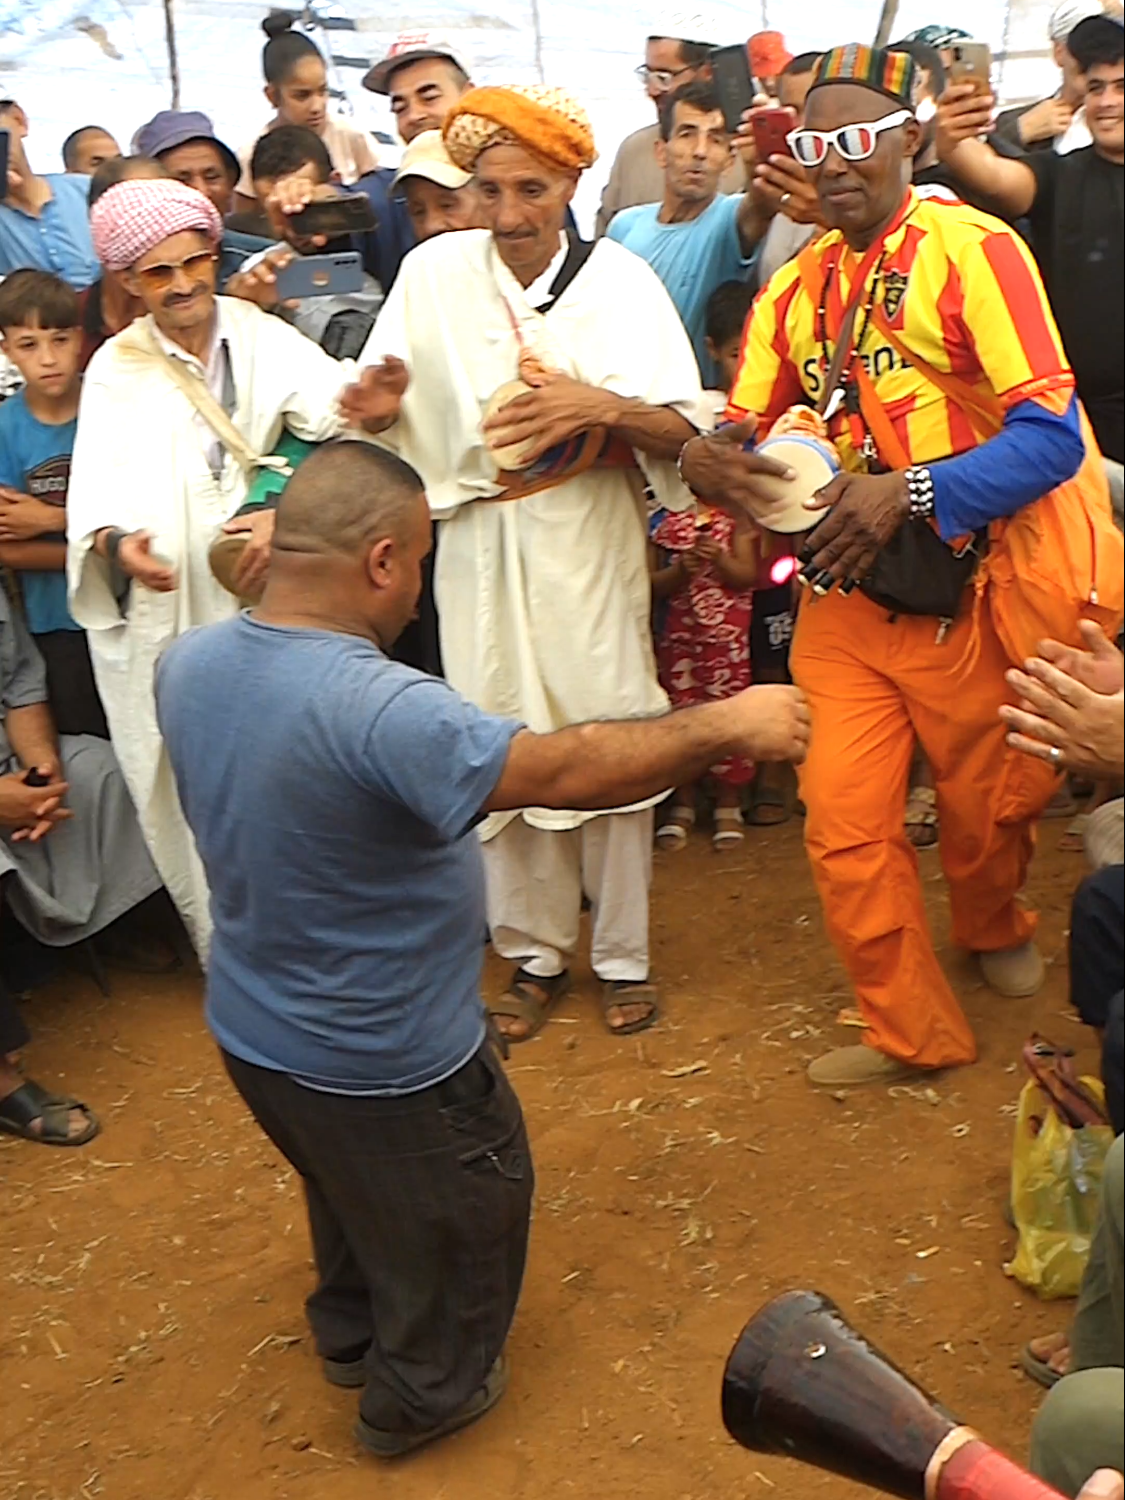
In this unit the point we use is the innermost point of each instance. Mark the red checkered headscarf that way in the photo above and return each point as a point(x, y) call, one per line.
point(129, 219)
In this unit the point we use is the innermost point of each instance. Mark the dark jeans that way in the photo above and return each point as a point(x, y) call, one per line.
point(1097, 959)
point(419, 1208)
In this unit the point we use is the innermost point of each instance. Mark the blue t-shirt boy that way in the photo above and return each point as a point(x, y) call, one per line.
point(35, 459)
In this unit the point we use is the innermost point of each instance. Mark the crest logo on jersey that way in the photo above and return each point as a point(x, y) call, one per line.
point(894, 290)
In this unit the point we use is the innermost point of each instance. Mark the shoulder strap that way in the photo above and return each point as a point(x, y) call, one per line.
point(139, 338)
point(578, 252)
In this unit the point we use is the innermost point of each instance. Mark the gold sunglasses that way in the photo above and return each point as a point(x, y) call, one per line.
point(160, 278)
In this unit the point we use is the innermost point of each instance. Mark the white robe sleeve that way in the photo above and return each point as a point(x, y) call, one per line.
point(310, 381)
point(103, 491)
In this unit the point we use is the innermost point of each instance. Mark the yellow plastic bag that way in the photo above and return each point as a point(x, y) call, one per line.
point(1056, 1192)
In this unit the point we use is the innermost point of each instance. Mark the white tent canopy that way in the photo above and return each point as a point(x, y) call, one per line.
point(71, 63)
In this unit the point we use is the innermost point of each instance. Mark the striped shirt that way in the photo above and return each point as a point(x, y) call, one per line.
point(957, 286)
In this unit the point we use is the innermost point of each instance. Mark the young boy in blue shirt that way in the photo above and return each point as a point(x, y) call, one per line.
point(41, 333)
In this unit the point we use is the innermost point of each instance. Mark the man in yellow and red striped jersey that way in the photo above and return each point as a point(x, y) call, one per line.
point(888, 645)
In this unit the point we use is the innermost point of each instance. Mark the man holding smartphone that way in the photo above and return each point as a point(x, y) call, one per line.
point(695, 238)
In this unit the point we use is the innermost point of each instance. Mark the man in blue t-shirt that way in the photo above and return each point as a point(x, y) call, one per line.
point(333, 794)
point(43, 220)
point(697, 237)
point(41, 333)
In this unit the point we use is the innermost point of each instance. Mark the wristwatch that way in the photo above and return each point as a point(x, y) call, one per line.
point(920, 490)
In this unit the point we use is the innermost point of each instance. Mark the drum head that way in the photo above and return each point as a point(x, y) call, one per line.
point(784, 508)
point(514, 457)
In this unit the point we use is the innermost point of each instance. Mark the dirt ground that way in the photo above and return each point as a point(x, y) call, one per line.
point(152, 1342)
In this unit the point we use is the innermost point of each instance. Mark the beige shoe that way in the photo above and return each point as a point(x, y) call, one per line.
point(851, 1067)
point(1015, 973)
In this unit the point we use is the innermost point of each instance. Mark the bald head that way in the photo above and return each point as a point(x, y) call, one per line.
point(353, 531)
point(344, 497)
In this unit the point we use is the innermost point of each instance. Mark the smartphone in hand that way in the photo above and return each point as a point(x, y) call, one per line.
point(730, 73)
point(971, 63)
point(328, 275)
point(348, 213)
point(770, 127)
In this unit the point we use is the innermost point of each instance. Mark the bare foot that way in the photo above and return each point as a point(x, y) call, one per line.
point(1054, 1350)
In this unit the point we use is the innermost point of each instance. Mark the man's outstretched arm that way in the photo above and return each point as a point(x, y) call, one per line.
point(600, 765)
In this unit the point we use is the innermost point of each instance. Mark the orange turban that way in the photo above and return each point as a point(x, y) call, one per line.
point(544, 120)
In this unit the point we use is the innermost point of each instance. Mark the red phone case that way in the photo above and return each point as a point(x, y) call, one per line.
point(770, 127)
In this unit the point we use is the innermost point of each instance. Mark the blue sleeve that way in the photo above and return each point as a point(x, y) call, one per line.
point(618, 225)
point(11, 470)
point(1033, 452)
point(438, 755)
point(734, 262)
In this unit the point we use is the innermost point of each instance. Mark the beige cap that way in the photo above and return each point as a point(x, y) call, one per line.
point(427, 157)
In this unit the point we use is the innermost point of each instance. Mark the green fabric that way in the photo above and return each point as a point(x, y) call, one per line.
point(1079, 1429)
point(268, 483)
point(1097, 1335)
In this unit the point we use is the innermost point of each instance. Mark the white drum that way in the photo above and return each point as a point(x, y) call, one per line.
point(783, 508)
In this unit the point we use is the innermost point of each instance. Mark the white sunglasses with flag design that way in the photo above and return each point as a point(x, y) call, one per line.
point(853, 142)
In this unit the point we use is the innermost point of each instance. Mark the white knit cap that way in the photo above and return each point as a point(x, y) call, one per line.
point(1065, 17)
point(690, 23)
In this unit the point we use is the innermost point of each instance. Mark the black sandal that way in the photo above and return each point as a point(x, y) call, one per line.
point(618, 992)
point(20, 1110)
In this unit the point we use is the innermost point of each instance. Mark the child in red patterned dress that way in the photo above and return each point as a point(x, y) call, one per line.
point(704, 566)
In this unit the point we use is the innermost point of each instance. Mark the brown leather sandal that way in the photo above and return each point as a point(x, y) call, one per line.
point(521, 1002)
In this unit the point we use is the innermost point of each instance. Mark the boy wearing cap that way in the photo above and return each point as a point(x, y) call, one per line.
point(894, 321)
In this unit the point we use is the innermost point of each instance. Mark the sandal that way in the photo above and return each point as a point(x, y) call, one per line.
point(20, 1109)
point(1041, 1370)
point(921, 819)
point(521, 1002)
point(766, 802)
point(728, 828)
point(673, 832)
point(616, 992)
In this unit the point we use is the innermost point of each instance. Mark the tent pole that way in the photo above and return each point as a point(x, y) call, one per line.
point(173, 55)
point(886, 22)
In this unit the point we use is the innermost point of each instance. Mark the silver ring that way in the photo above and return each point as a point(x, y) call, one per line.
point(1055, 754)
point(784, 199)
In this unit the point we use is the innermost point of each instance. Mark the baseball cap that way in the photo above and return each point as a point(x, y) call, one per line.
point(1065, 17)
point(692, 24)
point(175, 127)
point(427, 157)
point(769, 56)
point(410, 47)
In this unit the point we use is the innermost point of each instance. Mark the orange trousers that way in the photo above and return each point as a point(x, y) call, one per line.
point(874, 684)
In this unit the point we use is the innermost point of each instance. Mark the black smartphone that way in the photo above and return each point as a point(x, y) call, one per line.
point(35, 777)
point(730, 71)
point(350, 213)
point(5, 141)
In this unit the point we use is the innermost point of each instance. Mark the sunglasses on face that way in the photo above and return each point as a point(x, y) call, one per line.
point(660, 78)
point(160, 278)
point(853, 142)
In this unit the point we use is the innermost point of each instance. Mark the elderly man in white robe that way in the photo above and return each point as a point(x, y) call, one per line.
point(541, 579)
point(178, 413)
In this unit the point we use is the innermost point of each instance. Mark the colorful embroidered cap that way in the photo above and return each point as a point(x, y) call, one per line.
point(888, 73)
